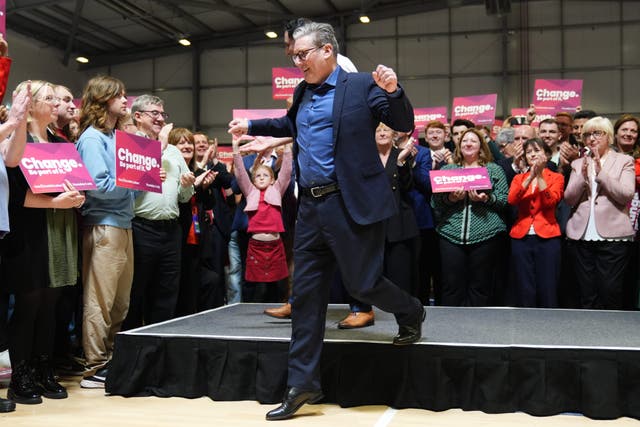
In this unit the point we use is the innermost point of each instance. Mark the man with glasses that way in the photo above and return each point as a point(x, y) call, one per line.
point(157, 236)
point(345, 197)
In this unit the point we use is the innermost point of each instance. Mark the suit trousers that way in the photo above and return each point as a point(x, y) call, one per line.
point(600, 267)
point(326, 237)
point(156, 272)
point(468, 272)
point(107, 271)
point(536, 266)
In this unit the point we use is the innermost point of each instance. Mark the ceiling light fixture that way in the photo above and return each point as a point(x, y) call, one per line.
point(364, 18)
point(271, 34)
point(184, 42)
point(82, 59)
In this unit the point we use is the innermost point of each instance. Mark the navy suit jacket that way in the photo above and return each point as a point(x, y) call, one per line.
point(358, 106)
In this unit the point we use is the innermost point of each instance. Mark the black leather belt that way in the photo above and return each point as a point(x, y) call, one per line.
point(159, 223)
point(319, 191)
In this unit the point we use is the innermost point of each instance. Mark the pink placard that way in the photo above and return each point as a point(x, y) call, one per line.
point(422, 116)
point(515, 112)
point(480, 109)
point(444, 181)
point(225, 155)
point(284, 81)
point(3, 18)
point(46, 166)
point(553, 96)
point(138, 162)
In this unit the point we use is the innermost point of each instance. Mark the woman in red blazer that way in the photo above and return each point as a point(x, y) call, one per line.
point(535, 235)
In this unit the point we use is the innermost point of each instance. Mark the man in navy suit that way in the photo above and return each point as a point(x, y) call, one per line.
point(345, 197)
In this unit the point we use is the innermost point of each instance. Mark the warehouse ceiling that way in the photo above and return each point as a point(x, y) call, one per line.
point(116, 31)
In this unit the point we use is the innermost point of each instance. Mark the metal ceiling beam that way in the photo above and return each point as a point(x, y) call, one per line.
point(238, 14)
point(16, 9)
point(98, 31)
point(225, 7)
point(170, 31)
point(74, 29)
point(280, 6)
point(52, 24)
point(50, 36)
point(181, 13)
point(109, 4)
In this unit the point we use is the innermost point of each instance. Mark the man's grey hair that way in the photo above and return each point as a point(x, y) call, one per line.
point(322, 34)
point(141, 102)
point(505, 136)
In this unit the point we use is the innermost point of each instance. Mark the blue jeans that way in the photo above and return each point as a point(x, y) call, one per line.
point(234, 284)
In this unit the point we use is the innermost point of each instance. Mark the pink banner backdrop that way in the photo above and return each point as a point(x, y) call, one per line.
point(445, 181)
point(422, 116)
point(46, 166)
point(480, 109)
point(138, 162)
point(3, 18)
point(553, 96)
point(284, 80)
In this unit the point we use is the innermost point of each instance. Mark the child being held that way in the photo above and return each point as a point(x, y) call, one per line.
point(266, 261)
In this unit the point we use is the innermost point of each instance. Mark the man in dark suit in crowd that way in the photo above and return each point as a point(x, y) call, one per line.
point(344, 197)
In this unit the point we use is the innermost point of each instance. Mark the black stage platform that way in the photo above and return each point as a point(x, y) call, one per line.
point(542, 362)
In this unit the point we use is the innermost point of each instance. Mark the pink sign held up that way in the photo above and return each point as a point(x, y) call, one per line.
point(447, 180)
point(480, 109)
point(422, 116)
point(553, 96)
point(3, 18)
point(47, 166)
point(284, 81)
point(138, 162)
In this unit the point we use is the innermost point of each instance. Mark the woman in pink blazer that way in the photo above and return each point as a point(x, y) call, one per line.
point(535, 235)
point(601, 185)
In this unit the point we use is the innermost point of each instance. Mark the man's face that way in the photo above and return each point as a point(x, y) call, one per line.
point(456, 133)
point(577, 128)
point(522, 134)
point(315, 62)
point(67, 109)
point(435, 138)
point(564, 126)
point(288, 44)
point(150, 120)
point(550, 134)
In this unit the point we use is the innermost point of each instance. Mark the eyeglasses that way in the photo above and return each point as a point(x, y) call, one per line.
point(155, 113)
point(597, 134)
point(303, 54)
point(50, 99)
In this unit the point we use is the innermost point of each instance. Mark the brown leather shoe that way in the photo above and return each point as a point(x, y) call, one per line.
point(282, 312)
point(357, 320)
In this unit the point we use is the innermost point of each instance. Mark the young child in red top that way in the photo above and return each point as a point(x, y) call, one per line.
point(266, 262)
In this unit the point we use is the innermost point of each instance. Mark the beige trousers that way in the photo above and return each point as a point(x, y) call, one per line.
point(107, 273)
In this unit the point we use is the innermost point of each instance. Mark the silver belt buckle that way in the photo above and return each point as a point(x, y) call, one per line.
point(316, 192)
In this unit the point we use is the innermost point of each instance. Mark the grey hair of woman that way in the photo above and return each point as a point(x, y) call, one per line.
point(322, 34)
point(505, 136)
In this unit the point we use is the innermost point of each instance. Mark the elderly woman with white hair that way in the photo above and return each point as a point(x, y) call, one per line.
point(601, 185)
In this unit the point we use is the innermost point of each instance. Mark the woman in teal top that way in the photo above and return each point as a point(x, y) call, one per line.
point(471, 228)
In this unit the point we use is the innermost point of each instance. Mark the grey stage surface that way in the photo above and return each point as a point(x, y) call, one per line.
point(448, 326)
point(538, 361)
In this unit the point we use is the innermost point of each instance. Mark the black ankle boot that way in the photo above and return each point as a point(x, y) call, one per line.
point(22, 388)
point(44, 377)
